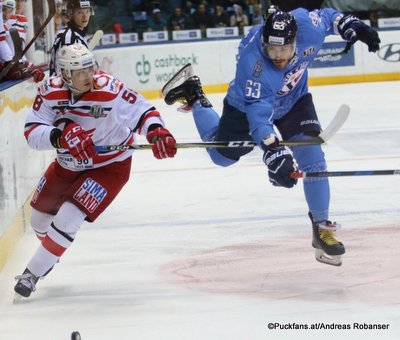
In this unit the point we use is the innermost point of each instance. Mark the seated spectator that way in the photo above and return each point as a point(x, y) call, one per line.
point(202, 20)
point(121, 13)
point(188, 8)
point(171, 5)
point(221, 17)
point(179, 21)
point(239, 19)
point(157, 22)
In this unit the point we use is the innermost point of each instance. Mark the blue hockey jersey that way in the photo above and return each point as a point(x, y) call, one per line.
point(266, 93)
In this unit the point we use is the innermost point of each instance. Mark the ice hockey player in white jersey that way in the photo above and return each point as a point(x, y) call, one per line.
point(72, 113)
point(270, 90)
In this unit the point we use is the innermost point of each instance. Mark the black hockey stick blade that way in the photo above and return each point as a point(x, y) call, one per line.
point(17, 56)
point(344, 173)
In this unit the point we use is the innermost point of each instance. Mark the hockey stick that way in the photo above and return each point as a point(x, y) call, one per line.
point(17, 56)
point(95, 39)
point(344, 173)
point(332, 128)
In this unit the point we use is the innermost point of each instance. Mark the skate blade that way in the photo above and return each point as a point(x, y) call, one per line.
point(333, 260)
point(18, 298)
point(184, 73)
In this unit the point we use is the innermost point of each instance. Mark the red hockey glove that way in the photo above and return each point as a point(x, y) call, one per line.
point(37, 75)
point(164, 143)
point(78, 142)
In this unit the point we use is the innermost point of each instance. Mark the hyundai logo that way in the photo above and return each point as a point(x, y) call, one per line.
point(390, 53)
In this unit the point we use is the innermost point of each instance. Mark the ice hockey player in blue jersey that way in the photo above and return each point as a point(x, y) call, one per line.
point(270, 89)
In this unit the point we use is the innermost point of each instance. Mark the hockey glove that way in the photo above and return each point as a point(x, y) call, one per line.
point(352, 29)
point(77, 141)
point(164, 144)
point(280, 163)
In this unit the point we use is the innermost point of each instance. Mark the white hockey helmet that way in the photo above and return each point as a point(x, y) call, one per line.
point(73, 57)
point(9, 3)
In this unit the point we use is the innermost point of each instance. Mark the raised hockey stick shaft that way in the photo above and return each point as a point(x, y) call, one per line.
point(344, 173)
point(52, 10)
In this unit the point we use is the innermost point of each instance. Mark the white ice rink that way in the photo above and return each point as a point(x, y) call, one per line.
point(191, 251)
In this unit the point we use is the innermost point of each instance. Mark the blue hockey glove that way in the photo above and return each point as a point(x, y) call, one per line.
point(280, 163)
point(353, 29)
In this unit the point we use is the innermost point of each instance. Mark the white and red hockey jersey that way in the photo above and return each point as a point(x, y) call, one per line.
point(110, 113)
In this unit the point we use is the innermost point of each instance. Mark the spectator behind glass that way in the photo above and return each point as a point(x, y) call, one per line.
point(189, 8)
point(179, 21)
point(60, 20)
point(257, 17)
point(202, 20)
point(221, 17)
point(239, 19)
point(157, 22)
point(121, 13)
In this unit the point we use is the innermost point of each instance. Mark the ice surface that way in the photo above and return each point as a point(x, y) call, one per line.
point(192, 251)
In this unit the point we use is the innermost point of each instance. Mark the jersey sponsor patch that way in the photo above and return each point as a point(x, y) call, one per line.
point(292, 78)
point(90, 194)
point(309, 51)
point(38, 189)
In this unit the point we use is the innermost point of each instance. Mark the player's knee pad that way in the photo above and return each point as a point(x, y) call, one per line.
point(220, 159)
point(40, 222)
point(69, 219)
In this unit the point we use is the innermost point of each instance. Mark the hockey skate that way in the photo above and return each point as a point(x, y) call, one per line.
point(328, 249)
point(26, 283)
point(187, 92)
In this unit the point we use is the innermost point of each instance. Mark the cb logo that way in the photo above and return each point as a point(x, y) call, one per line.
point(143, 69)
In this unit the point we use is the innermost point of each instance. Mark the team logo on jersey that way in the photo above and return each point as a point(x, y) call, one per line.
point(97, 111)
point(38, 189)
point(315, 18)
point(292, 78)
point(90, 194)
point(308, 51)
point(258, 67)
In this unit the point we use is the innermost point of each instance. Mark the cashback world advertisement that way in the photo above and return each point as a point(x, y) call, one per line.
point(149, 67)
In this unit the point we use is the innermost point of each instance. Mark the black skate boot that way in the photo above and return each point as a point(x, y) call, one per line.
point(26, 283)
point(327, 248)
point(188, 93)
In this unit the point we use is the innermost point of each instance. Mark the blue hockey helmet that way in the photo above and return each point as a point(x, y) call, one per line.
point(280, 28)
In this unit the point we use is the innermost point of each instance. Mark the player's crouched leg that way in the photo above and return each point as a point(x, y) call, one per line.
point(58, 239)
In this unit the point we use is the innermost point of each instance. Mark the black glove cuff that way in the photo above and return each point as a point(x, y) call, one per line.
point(55, 138)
